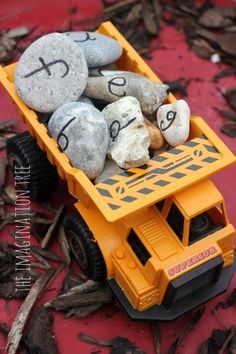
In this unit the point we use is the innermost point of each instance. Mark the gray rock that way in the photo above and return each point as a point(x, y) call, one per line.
point(150, 94)
point(82, 133)
point(129, 138)
point(52, 71)
point(110, 169)
point(99, 50)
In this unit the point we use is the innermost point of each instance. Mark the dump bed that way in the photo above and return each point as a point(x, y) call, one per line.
point(201, 156)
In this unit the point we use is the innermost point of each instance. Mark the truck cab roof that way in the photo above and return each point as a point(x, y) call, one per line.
point(199, 198)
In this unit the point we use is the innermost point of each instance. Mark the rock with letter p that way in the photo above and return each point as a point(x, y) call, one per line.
point(174, 122)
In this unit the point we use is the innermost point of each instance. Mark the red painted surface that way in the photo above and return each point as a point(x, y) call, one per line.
point(171, 60)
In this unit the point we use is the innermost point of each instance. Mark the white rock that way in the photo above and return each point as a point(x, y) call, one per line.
point(174, 122)
point(111, 88)
point(110, 169)
point(129, 138)
point(82, 133)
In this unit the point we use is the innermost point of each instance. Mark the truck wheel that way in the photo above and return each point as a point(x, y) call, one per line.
point(84, 247)
point(23, 151)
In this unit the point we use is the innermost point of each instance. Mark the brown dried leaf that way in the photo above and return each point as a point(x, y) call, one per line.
point(227, 11)
point(149, 18)
point(23, 313)
point(7, 48)
point(230, 29)
point(212, 18)
point(229, 130)
point(18, 32)
point(226, 72)
point(227, 114)
point(118, 6)
point(202, 48)
point(83, 311)
point(7, 125)
point(47, 254)
point(135, 13)
point(86, 297)
point(9, 194)
point(230, 96)
point(3, 167)
point(71, 280)
point(39, 337)
point(156, 338)
point(53, 227)
point(193, 322)
point(225, 41)
point(158, 12)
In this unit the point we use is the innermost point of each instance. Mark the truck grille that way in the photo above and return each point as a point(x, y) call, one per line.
point(194, 280)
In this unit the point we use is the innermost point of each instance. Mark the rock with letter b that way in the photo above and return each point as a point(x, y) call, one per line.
point(82, 133)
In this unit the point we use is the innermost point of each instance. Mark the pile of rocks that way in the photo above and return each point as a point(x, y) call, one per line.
point(69, 75)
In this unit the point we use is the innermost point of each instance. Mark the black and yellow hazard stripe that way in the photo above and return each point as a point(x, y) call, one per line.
point(159, 172)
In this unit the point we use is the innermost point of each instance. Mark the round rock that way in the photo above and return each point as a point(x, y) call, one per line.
point(52, 71)
point(82, 133)
point(99, 50)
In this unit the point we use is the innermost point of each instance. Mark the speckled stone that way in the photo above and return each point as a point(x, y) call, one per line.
point(129, 138)
point(99, 50)
point(82, 133)
point(174, 122)
point(113, 87)
point(52, 71)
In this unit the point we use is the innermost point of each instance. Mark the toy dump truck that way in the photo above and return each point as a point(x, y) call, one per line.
point(158, 233)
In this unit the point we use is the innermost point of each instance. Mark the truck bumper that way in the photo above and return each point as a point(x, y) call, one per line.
point(161, 313)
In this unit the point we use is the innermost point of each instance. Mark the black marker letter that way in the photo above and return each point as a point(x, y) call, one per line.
point(46, 67)
point(62, 135)
point(170, 117)
point(87, 38)
point(114, 82)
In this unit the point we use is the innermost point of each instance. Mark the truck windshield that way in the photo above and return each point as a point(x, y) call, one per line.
point(176, 220)
point(199, 226)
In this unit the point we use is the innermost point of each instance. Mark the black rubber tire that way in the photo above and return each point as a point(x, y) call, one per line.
point(22, 150)
point(84, 247)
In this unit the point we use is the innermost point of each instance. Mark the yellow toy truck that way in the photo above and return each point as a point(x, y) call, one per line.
point(158, 233)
